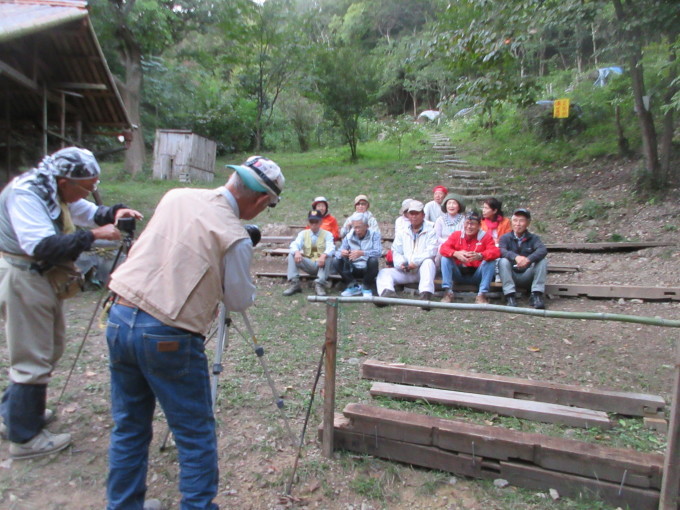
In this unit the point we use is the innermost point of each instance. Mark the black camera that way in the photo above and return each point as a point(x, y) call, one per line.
point(126, 225)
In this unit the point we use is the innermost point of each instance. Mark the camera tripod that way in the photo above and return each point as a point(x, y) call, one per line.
point(224, 323)
point(127, 226)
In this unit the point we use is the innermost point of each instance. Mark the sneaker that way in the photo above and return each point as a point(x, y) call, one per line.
point(152, 504)
point(510, 300)
point(481, 299)
point(48, 417)
point(536, 300)
point(448, 296)
point(353, 290)
point(367, 292)
point(42, 444)
point(293, 289)
point(388, 293)
point(320, 289)
point(426, 296)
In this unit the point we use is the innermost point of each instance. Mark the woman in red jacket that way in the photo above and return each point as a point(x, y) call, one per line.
point(493, 220)
point(328, 223)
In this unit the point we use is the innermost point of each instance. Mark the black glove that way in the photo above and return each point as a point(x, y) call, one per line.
point(254, 233)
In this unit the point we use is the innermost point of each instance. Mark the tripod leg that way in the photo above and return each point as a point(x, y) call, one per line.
point(222, 342)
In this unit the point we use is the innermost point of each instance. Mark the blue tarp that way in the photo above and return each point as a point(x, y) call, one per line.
point(604, 73)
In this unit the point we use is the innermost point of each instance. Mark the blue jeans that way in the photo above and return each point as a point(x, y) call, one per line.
point(149, 361)
point(482, 276)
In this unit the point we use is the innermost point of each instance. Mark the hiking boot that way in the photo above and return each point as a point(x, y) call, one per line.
point(352, 290)
point(481, 299)
point(449, 296)
point(48, 418)
point(388, 294)
point(320, 289)
point(152, 504)
point(510, 300)
point(293, 289)
point(42, 444)
point(426, 296)
point(536, 300)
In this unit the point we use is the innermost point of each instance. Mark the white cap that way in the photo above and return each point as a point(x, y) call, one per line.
point(261, 174)
point(416, 206)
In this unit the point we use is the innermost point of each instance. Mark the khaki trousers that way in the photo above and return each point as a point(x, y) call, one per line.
point(34, 324)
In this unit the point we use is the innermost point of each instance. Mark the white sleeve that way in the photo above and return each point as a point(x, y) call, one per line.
point(239, 289)
point(82, 213)
point(30, 220)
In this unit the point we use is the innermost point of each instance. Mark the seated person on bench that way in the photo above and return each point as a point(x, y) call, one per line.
point(413, 251)
point(361, 204)
point(309, 252)
point(468, 257)
point(358, 257)
point(524, 261)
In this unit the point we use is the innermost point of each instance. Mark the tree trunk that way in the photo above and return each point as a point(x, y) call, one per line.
point(131, 59)
point(668, 124)
point(645, 117)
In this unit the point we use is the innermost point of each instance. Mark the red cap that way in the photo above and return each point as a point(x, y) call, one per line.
point(440, 188)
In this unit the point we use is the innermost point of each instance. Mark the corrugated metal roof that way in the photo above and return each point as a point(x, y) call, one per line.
point(50, 47)
point(19, 18)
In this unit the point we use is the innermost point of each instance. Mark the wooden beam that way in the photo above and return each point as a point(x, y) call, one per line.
point(671, 468)
point(475, 465)
point(525, 409)
point(629, 404)
point(590, 247)
point(614, 291)
point(18, 77)
point(590, 460)
point(79, 86)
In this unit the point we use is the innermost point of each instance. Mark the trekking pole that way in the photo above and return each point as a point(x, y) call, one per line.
point(276, 396)
point(289, 487)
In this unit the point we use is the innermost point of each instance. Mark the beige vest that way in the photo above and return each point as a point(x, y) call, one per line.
point(174, 271)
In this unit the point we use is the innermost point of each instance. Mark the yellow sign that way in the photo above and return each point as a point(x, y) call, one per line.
point(561, 108)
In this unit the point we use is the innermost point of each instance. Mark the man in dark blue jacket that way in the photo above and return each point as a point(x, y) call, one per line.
point(523, 261)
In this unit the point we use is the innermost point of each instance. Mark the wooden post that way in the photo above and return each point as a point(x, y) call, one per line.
point(670, 483)
point(329, 379)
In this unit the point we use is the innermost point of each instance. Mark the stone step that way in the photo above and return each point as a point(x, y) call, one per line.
point(477, 190)
point(468, 174)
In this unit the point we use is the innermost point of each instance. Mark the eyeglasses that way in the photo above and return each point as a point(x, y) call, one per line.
point(94, 187)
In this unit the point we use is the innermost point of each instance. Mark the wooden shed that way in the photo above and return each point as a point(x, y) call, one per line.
point(184, 156)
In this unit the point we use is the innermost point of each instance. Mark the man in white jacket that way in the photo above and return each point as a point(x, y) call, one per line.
point(413, 250)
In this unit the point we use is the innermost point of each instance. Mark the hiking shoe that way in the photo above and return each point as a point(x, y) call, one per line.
point(388, 293)
point(42, 444)
point(48, 418)
point(536, 300)
point(510, 300)
point(320, 289)
point(426, 296)
point(481, 299)
point(152, 504)
point(353, 290)
point(448, 296)
point(367, 292)
point(293, 289)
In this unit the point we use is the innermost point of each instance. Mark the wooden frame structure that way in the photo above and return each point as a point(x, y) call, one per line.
point(670, 482)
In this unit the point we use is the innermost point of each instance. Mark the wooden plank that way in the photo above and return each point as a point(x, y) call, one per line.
point(671, 479)
point(630, 404)
point(614, 291)
point(479, 467)
point(277, 239)
point(532, 477)
point(565, 455)
point(603, 246)
point(526, 409)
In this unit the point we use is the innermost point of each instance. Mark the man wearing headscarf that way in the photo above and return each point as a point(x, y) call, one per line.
point(39, 211)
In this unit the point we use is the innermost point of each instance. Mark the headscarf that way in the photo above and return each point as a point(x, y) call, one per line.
point(69, 163)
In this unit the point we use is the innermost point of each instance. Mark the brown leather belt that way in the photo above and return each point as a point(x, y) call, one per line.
point(124, 302)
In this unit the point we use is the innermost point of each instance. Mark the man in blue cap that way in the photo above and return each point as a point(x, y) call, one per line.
point(193, 254)
point(310, 251)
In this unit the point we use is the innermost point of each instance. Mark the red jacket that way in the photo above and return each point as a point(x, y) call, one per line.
point(482, 243)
